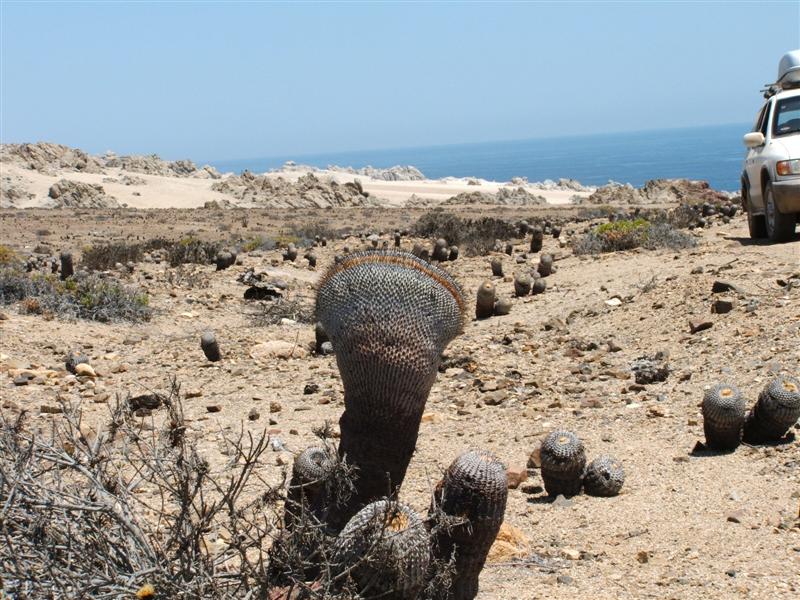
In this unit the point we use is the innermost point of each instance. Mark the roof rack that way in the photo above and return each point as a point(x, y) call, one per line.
point(770, 89)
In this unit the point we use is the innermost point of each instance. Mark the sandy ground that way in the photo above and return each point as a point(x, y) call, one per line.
point(670, 534)
point(188, 192)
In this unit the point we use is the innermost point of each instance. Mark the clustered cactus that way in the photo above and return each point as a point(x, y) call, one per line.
point(564, 470)
point(726, 422)
point(389, 316)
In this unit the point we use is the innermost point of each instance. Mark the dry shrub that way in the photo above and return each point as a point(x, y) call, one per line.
point(104, 257)
point(627, 234)
point(474, 236)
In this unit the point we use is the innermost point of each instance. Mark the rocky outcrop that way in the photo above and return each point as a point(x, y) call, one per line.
point(396, 173)
point(48, 158)
point(152, 164)
point(76, 194)
point(505, 196)
point(308, 191)
point(658, 191)
point(12, 193)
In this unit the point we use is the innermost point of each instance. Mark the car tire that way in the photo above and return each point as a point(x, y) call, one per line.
point(757, 224)
point(780, 227)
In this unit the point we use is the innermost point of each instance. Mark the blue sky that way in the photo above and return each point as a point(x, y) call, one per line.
point(222, 81)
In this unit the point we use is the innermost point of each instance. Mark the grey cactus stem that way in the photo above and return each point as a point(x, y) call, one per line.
point(723, 416)
point(604, 477)
point(304, 497)
point(497, 267)
point(522, 284)
point(563, 460)
point(537, 238)
point(484, 303)
point(67, 268)
point(210, 347)
point(474, 488)
point(546, 265)
point(777, 409)
point(389, 316)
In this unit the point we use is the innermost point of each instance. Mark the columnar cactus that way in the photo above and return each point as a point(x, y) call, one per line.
point(497, 267)
point(67, 267)
point(604, 477)
point(474, 488)
point(440, 250)
point(522, 284)
point(546, 265)
point(453, 255)
point(777, 409)
point(389, 316)
point(484, 304)
point(723, 416)
point(563, 460)
point(537, 238)
point(385, 549)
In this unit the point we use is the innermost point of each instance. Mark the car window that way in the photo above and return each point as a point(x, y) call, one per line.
point(787, 117)
point(765, 119)
point(759, 117)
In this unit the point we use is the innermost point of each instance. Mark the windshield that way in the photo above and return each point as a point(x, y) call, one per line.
point(787, 117)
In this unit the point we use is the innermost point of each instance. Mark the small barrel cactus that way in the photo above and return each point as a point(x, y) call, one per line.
point(475, 489)
point(397, 238)
point(546, 265)
point(563, 460)
point(291, 253)
point(484, 304)
point(497, 267)
point(453, 255)
point(723, 416)
point(777, 409)
point(440, 250)
point(389, 316)
point(67, 267)
point(539, 286)
point(502, 307)
point(522, 284)
point(224, 260)
point(537, 238)
point(75, 358)
point(320, 337)
point(509, 248)
point(604, 477)
point(523, 227)
point(210, 347)
point(385, 551)
point(310, 470)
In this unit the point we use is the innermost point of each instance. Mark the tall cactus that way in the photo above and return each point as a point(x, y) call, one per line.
point(389, 316)
point(475, 488)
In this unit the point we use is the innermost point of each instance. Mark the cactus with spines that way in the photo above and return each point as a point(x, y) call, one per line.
point(440, 250)
point(75, 358)
point(291, 253)
point(484, 303)
point(453, 253)
point(397, 238)
point(389, 316)
point(385, 551)
point(509, 248)
point(224, 260)
point(305, 497)
point(502, 307)
point(497, 267)
point(210, 347)
point(546, 265)
point(537, 238)
point(311, 257)
point(523, 227)
point(539, 286)
point(775, 412)
point(522, 284)
point(604, 477)
point(723, 416)
point(562, 461)
point(474, 490)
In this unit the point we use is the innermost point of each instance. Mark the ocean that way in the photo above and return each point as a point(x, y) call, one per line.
point(711, 153)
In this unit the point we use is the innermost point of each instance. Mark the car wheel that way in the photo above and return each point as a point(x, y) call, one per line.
point(757, 224)
point(780, 227)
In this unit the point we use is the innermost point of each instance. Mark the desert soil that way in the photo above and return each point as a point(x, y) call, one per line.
point(685, 525)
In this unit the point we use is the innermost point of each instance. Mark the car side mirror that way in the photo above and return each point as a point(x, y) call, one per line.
point(754, 139)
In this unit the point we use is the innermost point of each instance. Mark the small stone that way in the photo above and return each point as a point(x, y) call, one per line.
point(722, 306)
point(196, 393)
point(565, 579)
point(643, 556)
point(253, 415)
point(613, 302)
point(213, 408)
point(84, 370)
point(697, 325)
point(146, 401)
point(50, 410)
point(613, 346)
point(516, 473)
point(571, 553)
point(535, 459)
point(563, 502)
point(431, 418)
point(697, 270)
point(735, 517)
point(275, 406)
point(310, 388)
point(494, 398)
point(719, 287)
point(21, 380)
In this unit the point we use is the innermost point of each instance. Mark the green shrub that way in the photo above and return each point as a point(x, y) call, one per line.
point(626, 234)
point(7, 255)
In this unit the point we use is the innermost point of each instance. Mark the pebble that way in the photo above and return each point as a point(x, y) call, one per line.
point(275, 406)
point(697, 325)
point(85, 370)
point(213, 408)
point(722, 306)
point(517, 473)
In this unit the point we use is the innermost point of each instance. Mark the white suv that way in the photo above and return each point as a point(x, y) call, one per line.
point(771, 176)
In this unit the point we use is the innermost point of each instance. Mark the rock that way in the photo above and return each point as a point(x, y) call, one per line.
point(213, 408)
point(649, 370)
point(735, 516)
point(643, 556)
point(571, 553)
point(253, 415)
point(275, 406)
point(85, 370)
point(494, 398)
point(719, 287)
point(565, 580)
point(148, 401)
point(722, 306)
point(74, 358)
point(195, 393)
point(277, 349)
point(517, 474)
point(614, 302)
point(535, 459)
point(311, 388)
point(697, 325)
point(21, 380)
point(76, 194)
point(48, 409)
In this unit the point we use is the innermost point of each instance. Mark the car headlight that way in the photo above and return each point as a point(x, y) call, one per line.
point(788, 167)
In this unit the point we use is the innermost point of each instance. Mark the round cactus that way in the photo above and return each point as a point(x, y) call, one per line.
point(453, 253)
point(777, 409)
point(224, 260)
point(475, 489)
point(385, 548)
point(291, 253)
point(523, 227)
point(546, 265)
point(75, 358)
point(67, 267)
point(309, 472)
point(604, 477)
point(497, 267)
point(522, 284)
point(539, 286)
point(484, 305)
point(210, 347)
point(537, 238)
point(440, 250)
point(389, 316)
point(723, 416)
point(502, 307)
point(563, 460)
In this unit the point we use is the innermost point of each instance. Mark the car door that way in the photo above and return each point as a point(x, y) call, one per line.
point(755, 158)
